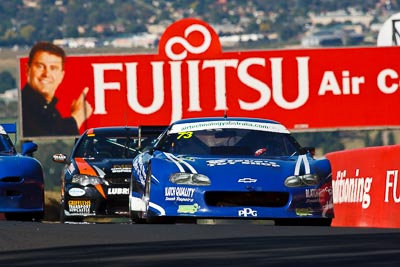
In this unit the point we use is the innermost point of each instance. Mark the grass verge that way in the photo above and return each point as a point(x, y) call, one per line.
point(52, 206)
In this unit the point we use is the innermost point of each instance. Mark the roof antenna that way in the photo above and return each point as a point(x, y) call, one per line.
point(126, 118)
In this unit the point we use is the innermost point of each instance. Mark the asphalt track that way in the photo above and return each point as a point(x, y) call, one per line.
point(221, 244)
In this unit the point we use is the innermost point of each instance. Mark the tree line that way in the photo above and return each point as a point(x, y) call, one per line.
point(23, 25)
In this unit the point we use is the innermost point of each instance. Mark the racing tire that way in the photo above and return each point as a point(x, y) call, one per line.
point(135, 217)
point(154, 219)
point(24, 216)
point(160, 220)
point(75, 219)
point(64, 218)
point(304, 222)
point(62, 214)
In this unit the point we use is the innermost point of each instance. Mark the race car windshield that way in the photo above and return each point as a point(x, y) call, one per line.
point(106, 146)
point(6, 145)
point(233, 142)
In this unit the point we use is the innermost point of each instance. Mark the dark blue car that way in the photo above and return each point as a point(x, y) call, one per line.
point(95, 181)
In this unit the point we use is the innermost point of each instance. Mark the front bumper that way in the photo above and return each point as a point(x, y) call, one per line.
point(85, 201)
point(25, 195)
point(193, 202)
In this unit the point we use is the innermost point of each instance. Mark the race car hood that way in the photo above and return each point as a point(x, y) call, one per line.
point(104, 168)
point(223, 170)
point(17, 165)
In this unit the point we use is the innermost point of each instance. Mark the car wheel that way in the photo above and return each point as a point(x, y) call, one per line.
point(62, 208)
point(147, 185)
point(24, 216)
point(149, 218)
point(146, 193)
point(161, 220)
point(75, 219)
point(136, 218)
point(304, 222)
point(64, 218)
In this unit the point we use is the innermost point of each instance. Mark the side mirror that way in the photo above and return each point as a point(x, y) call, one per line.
point(60, 158)
point(151, 150)
point(28, 148)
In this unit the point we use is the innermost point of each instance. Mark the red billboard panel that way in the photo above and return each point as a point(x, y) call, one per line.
point(365, 184)
point(192, 77)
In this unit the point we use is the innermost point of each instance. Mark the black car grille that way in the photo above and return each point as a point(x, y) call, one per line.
point(249, 199)
point(118, 205)
point(11, 179)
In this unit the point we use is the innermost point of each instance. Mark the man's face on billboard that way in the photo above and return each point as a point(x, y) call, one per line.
point(45, 74)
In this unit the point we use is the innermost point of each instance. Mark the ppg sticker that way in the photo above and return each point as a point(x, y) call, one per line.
point(247, 212)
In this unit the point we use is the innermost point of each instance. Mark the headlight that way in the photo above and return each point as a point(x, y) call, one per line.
point(189, 178)
point(85, 180)
point(302, 180)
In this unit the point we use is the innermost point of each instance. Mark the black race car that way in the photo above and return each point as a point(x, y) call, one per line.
point(96, 177)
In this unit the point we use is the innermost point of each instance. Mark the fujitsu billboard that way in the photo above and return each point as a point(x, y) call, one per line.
point(191, 76)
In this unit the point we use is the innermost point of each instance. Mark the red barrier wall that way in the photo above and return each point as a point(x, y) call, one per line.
point(365, 184)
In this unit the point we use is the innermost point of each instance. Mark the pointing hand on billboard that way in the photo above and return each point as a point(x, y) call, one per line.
point(81, 108)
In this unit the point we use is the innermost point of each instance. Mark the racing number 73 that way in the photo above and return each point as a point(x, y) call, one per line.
point(185, 135)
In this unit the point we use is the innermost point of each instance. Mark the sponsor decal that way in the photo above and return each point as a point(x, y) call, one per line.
point(76, 192)
point(71, 168)
point(180, 163)
point(247, 180)
point(222, 162)
point(186, 158)
point(121, 168)
point(247, 212)
point(118, 191)
point(188, 208)
point(79, 206)
point(304, 212)
point(182, 194)
point(326, 200)
point(59, 157)
point(352, 189)
point(312, 195)
point(197, 126)
point(322, 195)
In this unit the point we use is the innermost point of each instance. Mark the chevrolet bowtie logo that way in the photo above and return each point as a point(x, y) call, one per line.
point(247, 180)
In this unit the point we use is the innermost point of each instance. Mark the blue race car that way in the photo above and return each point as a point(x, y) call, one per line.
point(231, 168)
point(21, 179)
